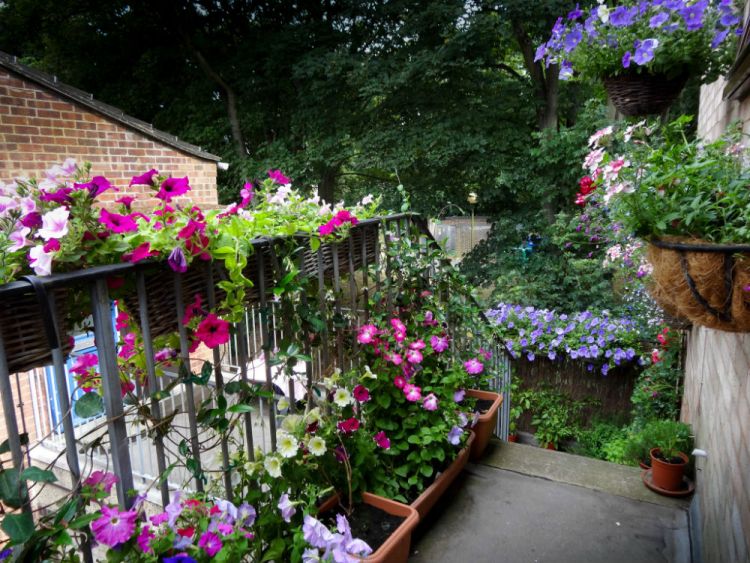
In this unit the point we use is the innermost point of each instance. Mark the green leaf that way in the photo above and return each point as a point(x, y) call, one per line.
point(38, 475)
point(89, 406)
point(402, 471)
point(275, 551)
point(384, 400)
point(5, 445)
point(84, 520)
point(314, 244)
point(240, 408)
point(426, 470)
point(10, 488)
point(19, 527)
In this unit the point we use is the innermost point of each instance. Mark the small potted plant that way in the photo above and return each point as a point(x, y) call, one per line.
point(520, 402)
point(689, 200)
point(644, 50)
point(667, 461)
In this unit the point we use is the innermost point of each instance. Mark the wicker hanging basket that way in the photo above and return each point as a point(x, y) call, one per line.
point(364, 235)
point(708, 284)
point(643, 94)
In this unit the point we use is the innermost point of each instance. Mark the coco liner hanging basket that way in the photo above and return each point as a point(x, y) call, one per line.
point(709, 284)
point(643, 94)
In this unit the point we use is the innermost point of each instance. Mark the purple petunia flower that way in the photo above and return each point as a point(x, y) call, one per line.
point(575, 14)
point(715, 42)
point(179, 558)
point(454, 436)
point(658, 20)
point(625, 62)
point(540, 52)
point(693, 15)
point(177, 260)
point(566, 72)
point(644, 53)
point(622, 16)
point(573, 38)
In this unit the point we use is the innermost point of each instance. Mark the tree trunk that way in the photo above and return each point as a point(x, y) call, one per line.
point(327, 185)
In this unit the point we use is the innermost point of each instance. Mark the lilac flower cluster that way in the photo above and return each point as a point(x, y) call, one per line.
point(634, 31)
point(598, 339)
point(339, 547)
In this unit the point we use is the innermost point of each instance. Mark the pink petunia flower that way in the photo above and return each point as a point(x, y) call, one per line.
point(114, 527)
point(278, 177)
point(247, 194)
point(414, 356)
point(399, 381)
point(439, 343)
point(101, 478)
point(210, 543)
point(83, 364)
point(19, 239)
point(367, 334)
point(473, 366)
point(97, 185)
point(32, 220)
point(417, 345)
point(395, 359)
point(430, 402)
point(52, 245)
point(326, 229)
point(122, 320)
point(194, 309)
point(361, 393)
point(213, 331)
point(144, 539)
point(40, 261)
point(412, 392)
point(349, 425)
point(173, 187)
point(382, 440)
point(117, 223)
point(54, 224)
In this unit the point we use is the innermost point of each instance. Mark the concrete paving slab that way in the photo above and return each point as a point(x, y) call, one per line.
point(596, 474)
point(495, 515)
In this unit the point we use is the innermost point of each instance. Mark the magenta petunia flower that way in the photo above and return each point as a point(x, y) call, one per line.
point(144, 539)
point(140, 252)
point(473, 366)
point(395, 359)
point(81, 365)
point(430, 402)
point(60, 196)
point(349, 425)
point(399, 382)
point(52, 245)
point(367, 334)
point(177, 261)
point(173, 187)
point(97, 185)
point(439, 343)
point(117, 223)
point(417, 345)
point(32, 220)
point(247, 194)
point(361, 393)
point(210, 543)
point(213, 331)
point(398, 326)
point(188, 230)
point(100, 478)
point(126, 200)
point(114, 527)
point(327, 229)
point(278, 177)
point(412, 392)
point(382, 440)
point(145, 179)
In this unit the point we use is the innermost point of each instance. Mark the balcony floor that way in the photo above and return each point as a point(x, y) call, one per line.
point(525, 504)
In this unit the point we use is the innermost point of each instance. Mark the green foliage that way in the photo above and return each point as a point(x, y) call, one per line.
point(656, 394)
point(555, 416)
point(597, 440)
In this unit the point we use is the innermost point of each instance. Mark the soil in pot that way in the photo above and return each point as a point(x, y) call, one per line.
point(483, 405)
point(368, 523)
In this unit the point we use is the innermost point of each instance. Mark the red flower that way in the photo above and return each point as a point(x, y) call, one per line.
point(213, 331)
point(587, 185)
point(349, 425)
point(361, 393)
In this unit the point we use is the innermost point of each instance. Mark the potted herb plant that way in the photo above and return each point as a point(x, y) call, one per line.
point(689, 201)
point(668, 462)
point(644, 50)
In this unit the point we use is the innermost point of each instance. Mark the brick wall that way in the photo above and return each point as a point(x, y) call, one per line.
point(717, 405)
point(717, 399)
point(38, 128)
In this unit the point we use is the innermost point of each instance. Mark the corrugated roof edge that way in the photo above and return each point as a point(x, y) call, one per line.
point(87, 100)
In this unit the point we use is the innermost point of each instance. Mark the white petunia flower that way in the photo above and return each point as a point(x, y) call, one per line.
point(286, 445)
point(291, 422)
point(342, 397)
point(316, 445)
point(368, 373)
point(272, 465)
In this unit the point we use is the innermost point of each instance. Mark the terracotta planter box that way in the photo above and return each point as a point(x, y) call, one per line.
point(396, 548)
point(487, 422)
point(424, 502)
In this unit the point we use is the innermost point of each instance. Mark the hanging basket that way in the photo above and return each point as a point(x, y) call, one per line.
point(702, 282)
point(26, 342)
point(643, 94)
point(364, 238)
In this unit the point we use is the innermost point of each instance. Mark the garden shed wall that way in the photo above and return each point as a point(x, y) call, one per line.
point(40, 126)
point(717, 398)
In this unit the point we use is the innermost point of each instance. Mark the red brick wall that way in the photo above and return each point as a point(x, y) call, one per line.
point(38, 128)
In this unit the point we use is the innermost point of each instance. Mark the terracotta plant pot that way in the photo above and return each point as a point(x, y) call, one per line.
point(550, 446)
point(667, 476)
point(396, 548)
point(424, 502)
point(512, 437)
point(487, 422)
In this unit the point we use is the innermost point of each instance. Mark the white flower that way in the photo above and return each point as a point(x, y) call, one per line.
point(325, 209)
point(291, 422)
point(315, 197)
point(313, 416)
point(281, 194)
point(272, 464)
point(368, 373)
point(342, 397)
point(286, 444)
point(316, 445)
point(54, 224)
point(367, 200)
point(282, 404)
point(603, 12)
point(41, 261)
